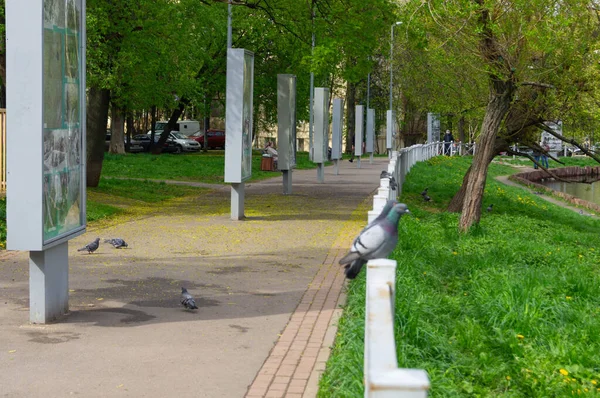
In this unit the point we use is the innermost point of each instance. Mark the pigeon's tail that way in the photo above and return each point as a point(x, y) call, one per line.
point(348, 258)
point(353, 269)
point(82, 249)
point(189, 303)
point(107, 240)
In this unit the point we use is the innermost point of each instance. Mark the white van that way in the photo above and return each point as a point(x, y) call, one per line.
point(185, 127)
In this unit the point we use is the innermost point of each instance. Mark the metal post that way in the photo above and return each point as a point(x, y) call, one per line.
point(320, 172)
point(229, 32)
point(287, 182)
point(237, 201)
point(48, 283)
point(368, 89)
point(311, 116)
point(392, 61)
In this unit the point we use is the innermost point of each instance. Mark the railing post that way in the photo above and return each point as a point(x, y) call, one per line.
point(383, 378)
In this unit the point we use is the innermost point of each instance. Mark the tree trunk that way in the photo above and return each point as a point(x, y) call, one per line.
point(461, 129)
point(97, 117)
point(350, 114)
point(496, 110)
point(130, 129)
point(456, 204)
point(117, 139)
point(157, 149)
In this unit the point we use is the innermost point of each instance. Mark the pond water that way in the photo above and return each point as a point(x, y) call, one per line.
point(582, 187)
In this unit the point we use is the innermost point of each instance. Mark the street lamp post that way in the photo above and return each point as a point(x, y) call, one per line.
point(390, 113)
point(392, 60)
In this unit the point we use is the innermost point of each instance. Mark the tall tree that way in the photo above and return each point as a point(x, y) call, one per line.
point(539, 51)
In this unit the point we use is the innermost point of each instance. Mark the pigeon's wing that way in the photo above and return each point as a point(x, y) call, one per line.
point(185, 296)
point(369, 240)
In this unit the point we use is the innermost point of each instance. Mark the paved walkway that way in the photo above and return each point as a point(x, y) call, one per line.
point(268, 289)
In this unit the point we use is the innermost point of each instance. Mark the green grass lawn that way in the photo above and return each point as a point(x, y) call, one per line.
point(201, 167)
point(510, 309)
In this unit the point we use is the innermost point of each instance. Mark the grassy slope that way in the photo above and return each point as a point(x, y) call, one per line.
point(509, 309)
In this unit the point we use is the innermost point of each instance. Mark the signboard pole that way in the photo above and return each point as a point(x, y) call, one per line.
point(358, 132)
point(45, 68)
point(286, 128)
point(238, 124)
point(48, 283)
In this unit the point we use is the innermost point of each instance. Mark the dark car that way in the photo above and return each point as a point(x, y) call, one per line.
point(135, 145)
point(216, 138)
point(144, 141)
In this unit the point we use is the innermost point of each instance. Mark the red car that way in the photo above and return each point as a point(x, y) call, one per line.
point(216, 138)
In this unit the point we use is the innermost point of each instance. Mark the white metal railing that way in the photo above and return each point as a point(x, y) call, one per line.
point(383, 378)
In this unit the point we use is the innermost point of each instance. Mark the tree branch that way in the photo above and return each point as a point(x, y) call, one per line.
point(536, 84)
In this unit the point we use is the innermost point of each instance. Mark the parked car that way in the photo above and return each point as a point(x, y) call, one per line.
point(216, 138)
point(135, 146)
point(144, 140)
point(184, 144)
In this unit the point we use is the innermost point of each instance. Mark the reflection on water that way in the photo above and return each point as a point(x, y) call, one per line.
point(582, 187)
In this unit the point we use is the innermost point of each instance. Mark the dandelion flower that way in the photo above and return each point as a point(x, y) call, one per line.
point(520, 336)
point(563, 372)
point(569, 298)
point(594, 382)
point(507, 377)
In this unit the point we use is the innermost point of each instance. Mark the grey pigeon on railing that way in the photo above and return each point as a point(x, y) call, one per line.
point(388, 175)
point(377, 240)
point(116, 242)
point(490, 208)
point(187, 300)
point(91, 247)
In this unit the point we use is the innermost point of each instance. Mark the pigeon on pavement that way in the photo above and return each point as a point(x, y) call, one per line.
point(377, 240)
point(91, 247)
point(489, 208)
point(187, 300)
point(116, 242)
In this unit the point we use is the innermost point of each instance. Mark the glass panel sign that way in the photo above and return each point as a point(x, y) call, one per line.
point(247, 116)
point(62, 114)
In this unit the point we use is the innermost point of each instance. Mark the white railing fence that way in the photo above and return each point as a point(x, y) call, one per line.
point(383, 378)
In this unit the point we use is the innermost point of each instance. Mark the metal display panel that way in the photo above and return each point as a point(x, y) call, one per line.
point(433, 127)
point(389, 136)
point(286, 121)
point(238, 115)
point(359, 129)
point(321, 131)
point(370, 131)
point(336, 128)
point(555, 144)
point(46, 122)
